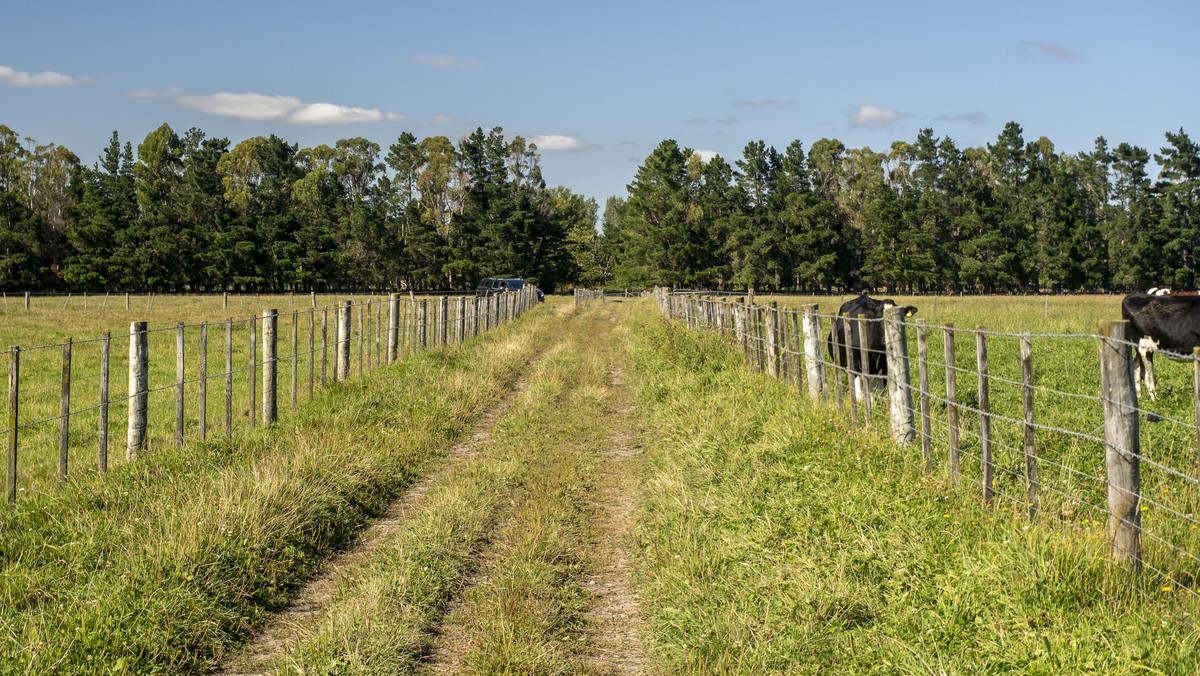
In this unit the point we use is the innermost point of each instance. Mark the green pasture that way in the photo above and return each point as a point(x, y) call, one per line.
point(778, 538)
point(41, 330)
point(1070, 449)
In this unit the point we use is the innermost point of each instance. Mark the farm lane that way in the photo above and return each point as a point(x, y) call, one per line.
point(554, 592)
point(512, 554)
point(296, 618)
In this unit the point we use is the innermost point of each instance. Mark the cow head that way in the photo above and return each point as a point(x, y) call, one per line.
point(909, 310)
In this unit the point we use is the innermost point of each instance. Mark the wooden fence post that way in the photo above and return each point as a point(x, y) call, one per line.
point(899, 385)
point(202, 414)
point(443, 321)
point(393, 329)
point(180, 376)
point(270, 372)
point(64, 425)
point(422, 332)
point(812, 352)
point(772, 339)
point(102, 460)
point(1031, 481)
point(361, 309)
point(1122, 450)
point(462, 320)
point(923, 379)
point(952, 407)
point(324, 345)
point(295, 353)
point(228, 378)
point(139, 371)
point(253, 372)
point(14, 400)
point(985, 417)
point(342, 372)
point(311, 351)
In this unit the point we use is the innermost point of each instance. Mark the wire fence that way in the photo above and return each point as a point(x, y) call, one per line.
point(190, 381)
point(1066, 441)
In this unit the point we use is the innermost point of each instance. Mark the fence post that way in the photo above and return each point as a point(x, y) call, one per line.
point(295, 351)
point(312, 352)
point(202, 430)
point(102, 460)
point(342, 371)
point(1031, 480)
point(923, 379)
point(443, 321)
point(899, 385)
point(462, 320)
point(64, 425)
point(180, 375)
point(985, 417)
point(270, 371)
point(422, 310)
point(361, 310)
point(27, 301)
point(812, 352)
point(772, 338)
point(253, 371)
point(139, 371)
point(393, 329)
point(228, 377)
point(14, 399)
point(952, 406)
point(1122, 451)
point(324, 344)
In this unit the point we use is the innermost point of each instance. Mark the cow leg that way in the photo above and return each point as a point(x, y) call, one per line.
point(1148, 365)
point(1143, 365)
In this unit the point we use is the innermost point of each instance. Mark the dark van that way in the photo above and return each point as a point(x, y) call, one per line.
point(494, 285)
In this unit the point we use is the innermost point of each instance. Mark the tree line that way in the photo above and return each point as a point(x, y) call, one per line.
point(927, 216)
point(193, 213)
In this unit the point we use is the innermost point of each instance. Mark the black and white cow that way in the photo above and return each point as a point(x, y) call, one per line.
point(870, 309)
point(1170, 323)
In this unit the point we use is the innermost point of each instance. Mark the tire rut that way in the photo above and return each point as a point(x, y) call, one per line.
point(256, 657)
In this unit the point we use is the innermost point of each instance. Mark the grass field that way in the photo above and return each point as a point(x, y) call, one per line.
point(767, 534)
point(40, 331)
point(779, 539)
point(1071, 466)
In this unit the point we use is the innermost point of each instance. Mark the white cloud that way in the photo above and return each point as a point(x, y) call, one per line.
point(705, 155)
point(153, 93)
point(443, 61)
point(568, 144)
point(873, 116)
point(442, 119)
point(10, 77)
point(1035, 48)
point(287, 109)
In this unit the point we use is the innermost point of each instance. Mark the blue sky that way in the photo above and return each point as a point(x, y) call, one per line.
point(599, 85)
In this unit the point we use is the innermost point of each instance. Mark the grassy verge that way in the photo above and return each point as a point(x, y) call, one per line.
point(164, 563)
point(775, 539)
